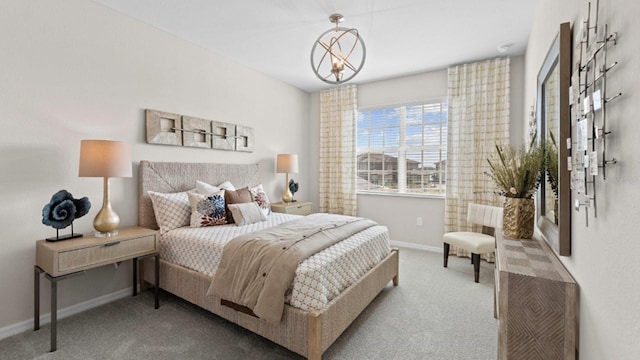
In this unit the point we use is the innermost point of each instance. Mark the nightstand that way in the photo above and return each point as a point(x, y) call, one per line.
point(60, 260)
point(295, 208)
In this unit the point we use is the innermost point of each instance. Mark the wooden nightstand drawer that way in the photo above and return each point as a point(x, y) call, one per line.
point(304, 209)
point(110, 252)
point(295, 208)
point(87, 252)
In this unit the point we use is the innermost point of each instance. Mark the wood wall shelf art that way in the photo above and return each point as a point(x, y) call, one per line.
point(160, 127)
point(244, 138)
point(166, 128)
point(196, 132)
point(224, 135)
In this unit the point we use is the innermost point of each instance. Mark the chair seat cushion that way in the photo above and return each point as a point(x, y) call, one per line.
point(471, 241)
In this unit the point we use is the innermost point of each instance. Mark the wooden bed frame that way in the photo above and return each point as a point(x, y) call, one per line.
point(306, 333)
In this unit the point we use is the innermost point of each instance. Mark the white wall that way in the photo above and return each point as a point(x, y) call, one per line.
point(604, 255)
point(400, 213)
point(73, 70)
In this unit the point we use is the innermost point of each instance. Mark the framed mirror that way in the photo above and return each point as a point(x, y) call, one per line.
point(553, 129)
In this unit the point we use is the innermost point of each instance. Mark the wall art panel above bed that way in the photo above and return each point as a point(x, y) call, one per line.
point(196, 132)
point(244, 138)
point(160, 125)
point(166, 128)
point(224, 137)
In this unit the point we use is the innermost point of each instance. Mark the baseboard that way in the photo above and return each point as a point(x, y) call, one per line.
point(416, 246)
point(25, 325)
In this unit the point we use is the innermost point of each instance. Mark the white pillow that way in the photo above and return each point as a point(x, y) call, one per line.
point(260, 197)
point(246, 213)
point(227, 185)
point(205, 188)
point(207, 209)
point(172, 210)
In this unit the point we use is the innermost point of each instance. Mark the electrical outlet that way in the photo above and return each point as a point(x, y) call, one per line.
point(419, 221)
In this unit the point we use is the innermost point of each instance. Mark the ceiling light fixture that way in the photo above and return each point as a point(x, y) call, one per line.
point(338, 54)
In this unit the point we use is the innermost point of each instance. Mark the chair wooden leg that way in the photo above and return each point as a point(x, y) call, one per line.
point(446, 254)
point(476, 266)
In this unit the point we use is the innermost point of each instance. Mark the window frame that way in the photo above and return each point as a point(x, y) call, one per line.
point(402, 149)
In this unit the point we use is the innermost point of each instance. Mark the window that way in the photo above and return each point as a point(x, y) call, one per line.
point(403, 149)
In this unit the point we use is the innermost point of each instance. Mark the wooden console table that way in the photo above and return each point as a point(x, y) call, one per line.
point(535, 302)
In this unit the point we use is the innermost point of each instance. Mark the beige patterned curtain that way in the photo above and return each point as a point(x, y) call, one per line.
point(338, 109)
point(478, 119)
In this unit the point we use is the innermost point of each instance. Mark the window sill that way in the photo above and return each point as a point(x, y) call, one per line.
point(408, 195)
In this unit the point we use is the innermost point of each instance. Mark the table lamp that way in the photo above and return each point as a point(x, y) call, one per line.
point(105, 159)
point(287, 163)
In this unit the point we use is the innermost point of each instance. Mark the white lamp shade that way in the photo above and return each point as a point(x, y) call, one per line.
point(104, 158)
point(287, 163)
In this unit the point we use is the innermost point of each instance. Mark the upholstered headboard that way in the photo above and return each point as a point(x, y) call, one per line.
point(168, 177)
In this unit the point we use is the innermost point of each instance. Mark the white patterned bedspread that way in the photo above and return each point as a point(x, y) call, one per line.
point(318, 279)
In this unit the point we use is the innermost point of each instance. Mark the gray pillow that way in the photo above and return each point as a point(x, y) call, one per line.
point(246, 213)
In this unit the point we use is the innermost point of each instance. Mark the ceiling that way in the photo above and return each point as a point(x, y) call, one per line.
point(402, 37)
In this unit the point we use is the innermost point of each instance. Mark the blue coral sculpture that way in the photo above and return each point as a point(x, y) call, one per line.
point(62, 210)
point(293, 187)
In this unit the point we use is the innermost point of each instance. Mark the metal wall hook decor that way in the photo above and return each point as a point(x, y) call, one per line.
point(589, 109)
point(204, 132)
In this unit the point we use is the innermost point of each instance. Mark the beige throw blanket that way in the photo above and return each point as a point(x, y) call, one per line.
point(257, 269)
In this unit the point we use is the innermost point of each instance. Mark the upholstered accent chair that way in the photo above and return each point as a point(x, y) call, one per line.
point(490, 217)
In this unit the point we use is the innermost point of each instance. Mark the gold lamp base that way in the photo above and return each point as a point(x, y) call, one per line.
point(287, 196)
point(106, 221)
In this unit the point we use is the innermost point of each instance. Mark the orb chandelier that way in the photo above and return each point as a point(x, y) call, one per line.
point(338, 54)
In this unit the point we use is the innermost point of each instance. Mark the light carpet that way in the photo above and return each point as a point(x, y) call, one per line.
point(435, 313)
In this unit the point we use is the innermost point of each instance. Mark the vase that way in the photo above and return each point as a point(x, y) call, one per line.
point(518, 218)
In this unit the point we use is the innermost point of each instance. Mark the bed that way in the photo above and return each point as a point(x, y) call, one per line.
point(306, 332)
